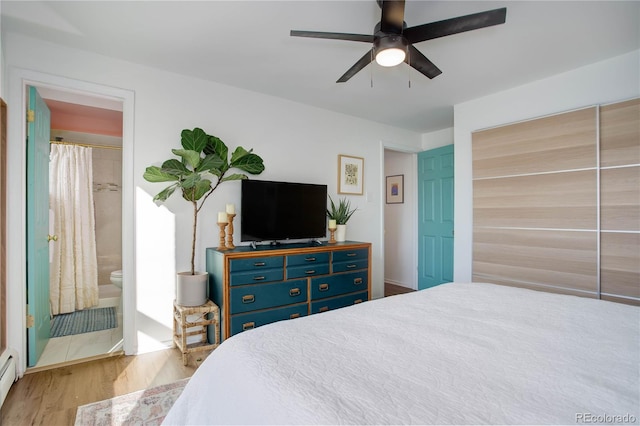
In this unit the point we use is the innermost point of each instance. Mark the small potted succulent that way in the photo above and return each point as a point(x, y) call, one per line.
point(341, 213)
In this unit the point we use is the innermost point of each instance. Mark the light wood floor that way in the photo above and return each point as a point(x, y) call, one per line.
point(393, 289)
point(51, 397)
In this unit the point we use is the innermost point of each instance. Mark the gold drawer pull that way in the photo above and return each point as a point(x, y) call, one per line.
point(351, 266)
point(355, 302)
point(312, 271)
point(357, 281)
point(248, 325)
point(323, 287)
point(259, 264)
point(292, 316)
point(294, 292)
point(323, 309)
point(249, 298)
point(351, 254)
point(310, 259)
point(259, 278)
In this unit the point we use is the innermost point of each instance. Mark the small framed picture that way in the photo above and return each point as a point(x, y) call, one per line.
point(350, 175)
point(395, 189)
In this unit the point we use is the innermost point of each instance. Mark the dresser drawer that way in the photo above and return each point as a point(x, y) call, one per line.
point(254, 277)
point(345, 255)
point(262, 296)
point(256, 263)
point(338, 302)
point(307, 259)
point(334, 285)
point(350, 265)
point(307, 270)
point(251, 320)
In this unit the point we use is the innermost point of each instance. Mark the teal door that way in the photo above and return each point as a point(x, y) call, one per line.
point(38, 131)
point(435, 226)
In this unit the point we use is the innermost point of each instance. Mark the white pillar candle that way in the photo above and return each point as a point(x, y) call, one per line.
point(231, 209)
point(332, 223)
point(222, 217)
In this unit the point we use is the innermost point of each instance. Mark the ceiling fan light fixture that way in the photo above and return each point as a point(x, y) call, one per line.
point(390, 57)
point(390, 50)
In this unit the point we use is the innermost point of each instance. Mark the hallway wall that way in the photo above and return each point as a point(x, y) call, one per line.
point(400, 243)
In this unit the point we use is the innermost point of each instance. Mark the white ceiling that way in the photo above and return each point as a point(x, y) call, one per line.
point(247, 44)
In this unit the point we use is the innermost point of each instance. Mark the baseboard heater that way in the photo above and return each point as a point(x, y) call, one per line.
point(7, 375)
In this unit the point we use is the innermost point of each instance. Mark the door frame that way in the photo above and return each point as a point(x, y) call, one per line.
point(19, 79)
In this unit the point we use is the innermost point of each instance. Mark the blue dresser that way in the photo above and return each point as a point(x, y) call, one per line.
point(253, 287)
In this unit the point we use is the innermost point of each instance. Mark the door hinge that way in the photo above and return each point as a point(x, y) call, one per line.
point(31, 116)
point(30, 321)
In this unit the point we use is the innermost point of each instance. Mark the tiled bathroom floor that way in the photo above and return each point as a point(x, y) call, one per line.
point(86, 345)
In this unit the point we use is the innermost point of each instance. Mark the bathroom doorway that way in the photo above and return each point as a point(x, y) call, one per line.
point(91, 125)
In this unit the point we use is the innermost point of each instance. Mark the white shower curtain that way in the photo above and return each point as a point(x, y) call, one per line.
point(74, 268)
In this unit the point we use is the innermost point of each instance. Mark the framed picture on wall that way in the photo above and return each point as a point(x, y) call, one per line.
point(350, 175)
point(395, 189)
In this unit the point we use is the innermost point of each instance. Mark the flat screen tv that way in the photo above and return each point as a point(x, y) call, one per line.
point(276, 211)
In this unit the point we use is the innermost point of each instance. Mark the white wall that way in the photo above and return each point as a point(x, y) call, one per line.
point(604, 82)
point(437, 139)
point(297, 143)
point(400, 236)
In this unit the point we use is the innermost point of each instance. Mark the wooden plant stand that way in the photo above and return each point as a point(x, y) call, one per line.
point(207, 314)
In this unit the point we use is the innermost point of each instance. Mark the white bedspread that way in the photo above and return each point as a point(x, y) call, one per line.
point(456, 353)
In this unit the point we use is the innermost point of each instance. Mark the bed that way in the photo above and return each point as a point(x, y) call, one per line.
point(458, 353)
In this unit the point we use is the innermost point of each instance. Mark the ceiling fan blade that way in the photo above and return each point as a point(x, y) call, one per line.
point(455, 25)
point(362, 62)
point(392, 16)
point(334, 36)
point(420, 62)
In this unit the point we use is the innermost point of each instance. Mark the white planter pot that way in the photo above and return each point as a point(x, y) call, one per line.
point(191, 290)
point(341, 233)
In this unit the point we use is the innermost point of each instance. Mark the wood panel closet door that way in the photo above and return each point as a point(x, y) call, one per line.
point(535, 204)
point(620, 201)
point(557, 203)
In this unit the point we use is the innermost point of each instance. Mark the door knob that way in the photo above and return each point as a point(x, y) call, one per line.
point(52, 237)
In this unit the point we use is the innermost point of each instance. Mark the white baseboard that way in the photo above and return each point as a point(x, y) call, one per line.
point(7, 375)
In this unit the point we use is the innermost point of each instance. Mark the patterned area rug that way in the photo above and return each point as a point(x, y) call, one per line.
point(84, 321)
point(145, 407)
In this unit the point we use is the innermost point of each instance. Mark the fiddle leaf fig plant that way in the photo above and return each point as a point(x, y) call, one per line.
point(201, 166)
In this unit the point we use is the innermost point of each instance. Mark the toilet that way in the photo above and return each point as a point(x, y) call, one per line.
point(116, 278)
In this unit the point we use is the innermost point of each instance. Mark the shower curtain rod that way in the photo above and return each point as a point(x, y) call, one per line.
point(86, 145)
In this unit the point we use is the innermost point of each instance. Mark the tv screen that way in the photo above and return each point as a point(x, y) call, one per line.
point(273, 211)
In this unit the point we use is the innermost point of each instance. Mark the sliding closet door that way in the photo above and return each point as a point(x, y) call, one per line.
point(557, 203)
point(535, 204)
point(620, 201)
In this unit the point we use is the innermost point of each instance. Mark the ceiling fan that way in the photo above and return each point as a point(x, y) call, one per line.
point(393, 41)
